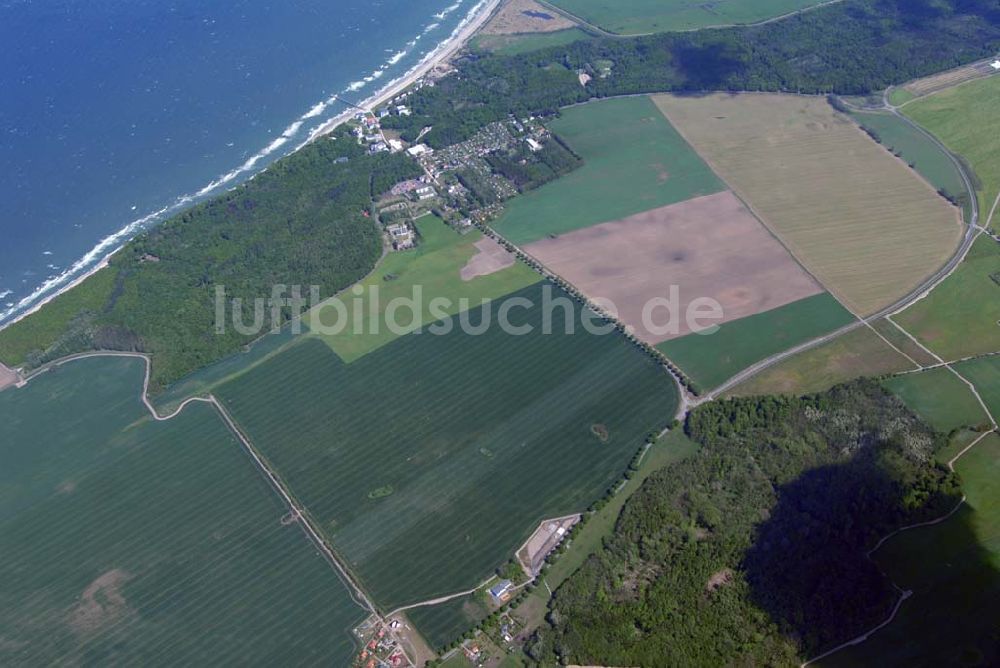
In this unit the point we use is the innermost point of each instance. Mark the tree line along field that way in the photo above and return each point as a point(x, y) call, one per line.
point(711, 359)
point(429, 460)
point(433, 267)
point(953, 569)
point(127, 541)
point(919, 151)
point(959, 317)
point(634, 161)
point(964, 119)
point(632, 17)
point(854, 215)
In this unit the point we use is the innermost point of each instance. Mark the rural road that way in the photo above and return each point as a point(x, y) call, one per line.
point(971, 232)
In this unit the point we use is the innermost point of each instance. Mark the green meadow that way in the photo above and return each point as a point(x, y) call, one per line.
point(959, 318)
point(634, 17)
point(479, 437)
point(127, 541)
point(964, 119)
point(634, 161)
point(984, 373)
point(712, 359)
point(917, 149)
point(512, 45)
point(953, 569)
point(939, 397)
point(433, 267)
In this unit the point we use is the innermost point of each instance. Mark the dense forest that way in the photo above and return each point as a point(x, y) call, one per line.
point(529, 169)
point(753, 552)
point(301, 222)
point(851, 47)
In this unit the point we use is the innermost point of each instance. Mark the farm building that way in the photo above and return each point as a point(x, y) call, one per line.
point(426, 192)
point(401, 235)
point(501, 592)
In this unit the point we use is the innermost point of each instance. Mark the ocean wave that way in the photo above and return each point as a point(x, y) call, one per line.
point(97, 255)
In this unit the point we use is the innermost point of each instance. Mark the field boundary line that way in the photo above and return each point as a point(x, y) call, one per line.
point(889, 343)
point(354, 590)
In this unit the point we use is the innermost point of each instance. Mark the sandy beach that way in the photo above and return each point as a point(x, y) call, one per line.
point(441, 55)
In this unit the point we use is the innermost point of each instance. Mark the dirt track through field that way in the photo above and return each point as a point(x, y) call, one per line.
point(710, 246)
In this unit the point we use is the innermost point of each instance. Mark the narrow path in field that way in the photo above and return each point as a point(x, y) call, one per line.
point(354, 590)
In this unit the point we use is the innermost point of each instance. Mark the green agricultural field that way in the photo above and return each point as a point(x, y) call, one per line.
point(984, 373)
point(856, 354)
point(953, 569)
point(434, 268)
point(939, 397)
point(634, 161)
point(918, 150)
point(511, 45)
point(900, 96)
point(127, 541)
point(479, 436)
point(43, 329)
point(964, 118)
point(960, 316)
point(441, 624)
point(634, 17)
point(444, 623)
point(711, 359)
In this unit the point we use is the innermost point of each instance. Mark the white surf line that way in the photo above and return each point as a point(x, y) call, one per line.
point(354, 589)
point(904, 594)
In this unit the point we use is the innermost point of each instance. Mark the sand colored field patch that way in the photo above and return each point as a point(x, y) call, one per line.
point(491, 258)
point(857, 217)
point(101, 604)
point(524, 16)
point(709, 246)
point(7, 377)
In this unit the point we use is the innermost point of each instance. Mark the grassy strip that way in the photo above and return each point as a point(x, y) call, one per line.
point(939, 397)
point(853, 355)
point(712, 359)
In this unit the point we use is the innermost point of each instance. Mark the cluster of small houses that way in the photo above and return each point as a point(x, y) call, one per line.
point(382, 651)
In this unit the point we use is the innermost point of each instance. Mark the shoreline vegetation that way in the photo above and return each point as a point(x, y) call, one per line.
point(803, 53)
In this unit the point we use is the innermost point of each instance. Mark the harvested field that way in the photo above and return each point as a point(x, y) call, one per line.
point(634, 161)
point(132, 542)
point(708, 247)
point(524, 16)
point(510, 45)
point(855, 215)
point(854, 355)
point(479, 437)
point(712, 359)
point(939, 82)
point(491, 258)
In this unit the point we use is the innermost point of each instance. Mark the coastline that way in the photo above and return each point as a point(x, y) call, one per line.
point(480, 14)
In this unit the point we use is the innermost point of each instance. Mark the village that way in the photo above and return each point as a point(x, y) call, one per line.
point(460, 184)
